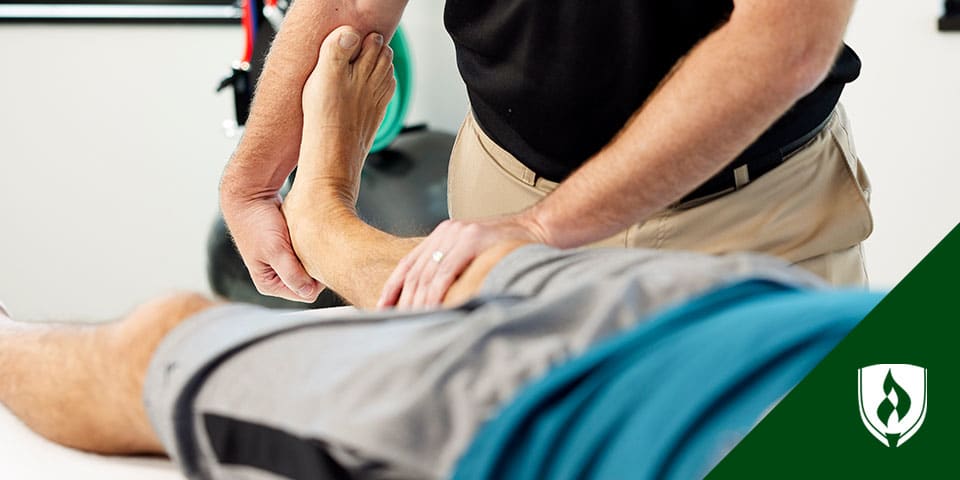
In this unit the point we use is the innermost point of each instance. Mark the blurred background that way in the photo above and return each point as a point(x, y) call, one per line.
point(112, 143)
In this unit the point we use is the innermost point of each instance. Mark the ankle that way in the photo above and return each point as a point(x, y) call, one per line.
point(331, 155)
point(319, 202)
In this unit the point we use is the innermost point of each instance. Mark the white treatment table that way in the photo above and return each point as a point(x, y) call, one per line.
point(25, 455)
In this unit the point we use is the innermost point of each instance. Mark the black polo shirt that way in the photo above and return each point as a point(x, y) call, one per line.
point(552, 81)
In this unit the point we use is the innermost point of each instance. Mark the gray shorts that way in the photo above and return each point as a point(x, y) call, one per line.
point(244, 392)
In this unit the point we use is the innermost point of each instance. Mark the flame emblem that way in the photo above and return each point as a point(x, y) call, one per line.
point(893, 401)
point(896, 400)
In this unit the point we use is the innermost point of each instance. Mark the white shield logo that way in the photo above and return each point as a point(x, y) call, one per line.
point(893, 401)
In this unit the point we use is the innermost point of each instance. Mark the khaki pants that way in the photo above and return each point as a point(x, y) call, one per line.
point(813, 210)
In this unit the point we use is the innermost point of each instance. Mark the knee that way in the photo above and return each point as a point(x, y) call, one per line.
point(163, 313)
point(138, 334)
point(134, 340)
point(178, 306)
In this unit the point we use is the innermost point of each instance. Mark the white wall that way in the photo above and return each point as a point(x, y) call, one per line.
point(111, 147)
point(905, 110)
point(439, 97)
point(111, 150)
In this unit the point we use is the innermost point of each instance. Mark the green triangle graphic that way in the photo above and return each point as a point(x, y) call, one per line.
point(816, 431)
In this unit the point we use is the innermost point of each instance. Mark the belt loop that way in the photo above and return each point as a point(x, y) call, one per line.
point(741, 176)
point(528, 176)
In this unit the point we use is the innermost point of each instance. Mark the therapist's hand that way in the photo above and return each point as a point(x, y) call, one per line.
point(259, 230)
point(422, 278)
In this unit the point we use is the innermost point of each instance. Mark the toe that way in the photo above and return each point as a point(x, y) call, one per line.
point(388, 85)
point(382, 75)
point(372, 46)
point(341, 46)
point(384, 65)
point(386, 90)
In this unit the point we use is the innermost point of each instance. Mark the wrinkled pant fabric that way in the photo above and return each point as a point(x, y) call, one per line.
point(243, 392)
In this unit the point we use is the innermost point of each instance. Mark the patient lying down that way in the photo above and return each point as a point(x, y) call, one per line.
point(223, 388)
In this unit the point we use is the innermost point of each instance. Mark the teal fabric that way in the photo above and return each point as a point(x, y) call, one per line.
point(670, 397)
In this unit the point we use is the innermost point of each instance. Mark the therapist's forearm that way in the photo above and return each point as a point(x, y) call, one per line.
point(268, 151)
point(726, 92)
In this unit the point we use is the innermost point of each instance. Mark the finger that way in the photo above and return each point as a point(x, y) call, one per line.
point(445, 245)
point(429, 245)
point(453, 265)
point(293, 275)
point(394, 284)
point(268, 282)
point(341, 46)
point(369, 54)
point(393, 288)
point(413, 276)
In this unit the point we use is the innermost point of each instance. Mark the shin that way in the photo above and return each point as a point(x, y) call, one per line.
point(80, 386)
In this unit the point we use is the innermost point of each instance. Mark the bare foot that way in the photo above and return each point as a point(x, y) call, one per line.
point(344, 101)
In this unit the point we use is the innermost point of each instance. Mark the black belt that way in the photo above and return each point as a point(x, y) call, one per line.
point(741, 172)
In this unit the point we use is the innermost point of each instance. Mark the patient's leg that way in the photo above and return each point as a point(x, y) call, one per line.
point(343, 103)
point(80, 386)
